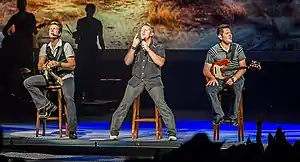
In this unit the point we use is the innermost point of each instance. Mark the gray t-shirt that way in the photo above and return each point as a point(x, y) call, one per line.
point(217, 53)
point(68, 49)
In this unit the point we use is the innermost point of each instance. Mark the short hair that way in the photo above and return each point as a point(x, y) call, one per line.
point(221, 27)
point(55, 22)
point(90, 6)
point(148, 24)
point(22, 2)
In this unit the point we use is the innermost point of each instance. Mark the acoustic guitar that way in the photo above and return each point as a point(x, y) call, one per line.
point(48, 71)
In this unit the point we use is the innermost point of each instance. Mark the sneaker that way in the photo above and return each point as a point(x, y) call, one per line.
point(49, 110)
point(113, 137)
point(172, 138)
point(233, 122)
point(41, 112)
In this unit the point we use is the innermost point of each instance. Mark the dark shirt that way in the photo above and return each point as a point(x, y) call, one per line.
point(88, 29)
point(24, 25)
point(144, 69)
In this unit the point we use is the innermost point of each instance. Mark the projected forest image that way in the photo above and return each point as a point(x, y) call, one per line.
point(179, 24)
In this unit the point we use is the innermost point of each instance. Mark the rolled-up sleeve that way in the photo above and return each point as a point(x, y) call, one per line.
point(160, 50)
point(69, 52)
point(43, 50)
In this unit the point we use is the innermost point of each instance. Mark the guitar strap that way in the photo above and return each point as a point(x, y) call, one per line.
point(232, 51)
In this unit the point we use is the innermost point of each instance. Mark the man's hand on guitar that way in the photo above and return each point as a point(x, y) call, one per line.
point(230, 81)
point(44, 67)
point(53, 64)
point(212, 82)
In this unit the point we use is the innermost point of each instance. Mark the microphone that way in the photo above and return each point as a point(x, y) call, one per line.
point(54, 34)
point(143, 40)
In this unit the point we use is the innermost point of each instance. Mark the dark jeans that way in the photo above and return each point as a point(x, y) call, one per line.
point(213, 92)
point(33, 83)
point(131, 93)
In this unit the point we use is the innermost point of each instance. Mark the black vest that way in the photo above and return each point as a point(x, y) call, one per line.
point(59, 57)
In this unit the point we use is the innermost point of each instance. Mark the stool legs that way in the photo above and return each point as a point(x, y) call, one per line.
point(158, 125)
point(240, 126)
point(44, 127)
point(134, 116)
point(216, 135)
point(136, 119)
point(60, 112)
point(241, 121)
point(137, 124)
point(37, 125)
point(59, 118)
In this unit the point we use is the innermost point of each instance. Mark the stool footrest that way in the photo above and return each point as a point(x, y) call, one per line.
point(226, 121)
point(54, 87)
point(52, 118)
point(145, 120)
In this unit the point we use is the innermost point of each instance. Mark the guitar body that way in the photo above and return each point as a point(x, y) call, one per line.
point(219, 67)
point(216, 69)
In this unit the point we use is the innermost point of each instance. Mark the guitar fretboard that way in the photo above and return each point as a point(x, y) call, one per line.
point(234, 68)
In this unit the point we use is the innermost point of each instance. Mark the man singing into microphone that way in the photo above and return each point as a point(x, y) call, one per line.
point(60, 56)
point(148, 57)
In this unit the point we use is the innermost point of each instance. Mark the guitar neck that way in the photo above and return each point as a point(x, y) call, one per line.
point(234, 68)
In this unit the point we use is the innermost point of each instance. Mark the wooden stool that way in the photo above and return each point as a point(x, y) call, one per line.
point(60, 116)
point(136, 119)
point(240, 120)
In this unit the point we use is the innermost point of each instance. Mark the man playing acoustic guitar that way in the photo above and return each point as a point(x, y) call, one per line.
point(226, 49)
point(57, 64)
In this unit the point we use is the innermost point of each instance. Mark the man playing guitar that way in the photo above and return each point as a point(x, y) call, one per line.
point(226, 49)
point(57, 64)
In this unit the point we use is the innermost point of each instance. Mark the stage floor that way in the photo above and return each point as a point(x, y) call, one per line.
point(93, 138)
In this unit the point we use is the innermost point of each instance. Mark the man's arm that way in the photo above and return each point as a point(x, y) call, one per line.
point(78, 27)
point(42, 61)
point(130, 55)
point(207, 67)
point(33, 25)
point(42, 57)
point(158, 60)
point(158, 56)
point(241, 72)
point(206, 71)
point(100, 36)
point(209, 60)
point(7, 26)
point(70, 55)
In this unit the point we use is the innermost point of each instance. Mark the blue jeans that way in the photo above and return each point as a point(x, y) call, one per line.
point(213, 92)
point(157, 94)
point(33, 83)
